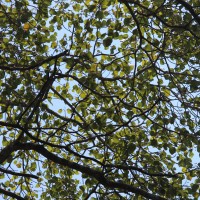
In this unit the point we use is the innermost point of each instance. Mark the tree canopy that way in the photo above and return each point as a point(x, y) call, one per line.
point(99, 99)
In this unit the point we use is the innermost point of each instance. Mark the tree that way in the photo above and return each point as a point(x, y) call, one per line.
point(99, 99)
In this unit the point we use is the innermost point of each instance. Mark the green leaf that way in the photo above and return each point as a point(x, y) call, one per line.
point(107, 42)
point(172, 150)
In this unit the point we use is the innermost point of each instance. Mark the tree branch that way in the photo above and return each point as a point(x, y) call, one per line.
point(141, 170)
point(13, 67)
point(188, 7)
point(18, 174)
point(11, 194)
point(99, 176)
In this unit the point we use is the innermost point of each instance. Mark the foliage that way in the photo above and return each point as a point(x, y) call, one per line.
point(99, 99)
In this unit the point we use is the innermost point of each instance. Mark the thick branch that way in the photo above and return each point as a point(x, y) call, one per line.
point(13, 67)
point(99, 176)
point(188, 7)
point(6, 152)
point(18, 174)
point(10, 194)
